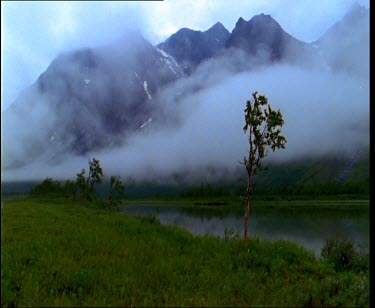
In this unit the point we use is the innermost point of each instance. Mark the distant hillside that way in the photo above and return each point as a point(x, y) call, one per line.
point(307, 171)
point(316, 170)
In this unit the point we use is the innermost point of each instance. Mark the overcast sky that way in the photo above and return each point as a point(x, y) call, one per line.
point(33, 33)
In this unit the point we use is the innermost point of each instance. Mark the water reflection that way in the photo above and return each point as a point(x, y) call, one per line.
point(309, 228)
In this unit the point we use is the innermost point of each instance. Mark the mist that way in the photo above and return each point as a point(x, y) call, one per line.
point(197, 121)
point(325, 112)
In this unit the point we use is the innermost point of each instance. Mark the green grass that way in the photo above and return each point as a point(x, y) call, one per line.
point(58, 254)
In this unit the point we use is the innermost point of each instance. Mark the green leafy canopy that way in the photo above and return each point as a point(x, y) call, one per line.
point(264, 126)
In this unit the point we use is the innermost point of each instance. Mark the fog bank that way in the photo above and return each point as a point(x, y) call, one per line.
point(324, 112)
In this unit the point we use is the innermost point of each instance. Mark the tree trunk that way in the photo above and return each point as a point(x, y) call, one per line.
point(247, 210)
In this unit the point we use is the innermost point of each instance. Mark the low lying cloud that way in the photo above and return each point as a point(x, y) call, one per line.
point(198, 120)
point(324, 112)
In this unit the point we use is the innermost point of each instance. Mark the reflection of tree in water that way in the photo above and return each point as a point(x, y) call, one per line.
point(308, 226)
point(312, 224)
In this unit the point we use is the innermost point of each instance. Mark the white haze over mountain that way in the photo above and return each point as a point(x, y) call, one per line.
point(325, 112)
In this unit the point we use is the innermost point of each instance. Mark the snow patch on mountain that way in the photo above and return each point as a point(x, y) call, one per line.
point(137, 76)
point(165, 55)
point(144, 124)
point(171, 67)
point(169, 60)
point(145, 87)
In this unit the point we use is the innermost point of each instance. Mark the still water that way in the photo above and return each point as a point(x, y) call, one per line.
point(308, 228)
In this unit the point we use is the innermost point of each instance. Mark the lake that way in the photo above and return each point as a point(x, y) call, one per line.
point(307, 227)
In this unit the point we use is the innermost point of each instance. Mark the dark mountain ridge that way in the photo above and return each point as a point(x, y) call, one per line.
point(263, 37)
point(191, 47)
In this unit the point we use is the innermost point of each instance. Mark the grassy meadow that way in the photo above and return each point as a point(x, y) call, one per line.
point(55, 253)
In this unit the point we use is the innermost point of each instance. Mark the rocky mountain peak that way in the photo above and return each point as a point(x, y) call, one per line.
point(217, 27)
point(264, 24)
point(190, 47)
point(240, 22)
point(261, 32)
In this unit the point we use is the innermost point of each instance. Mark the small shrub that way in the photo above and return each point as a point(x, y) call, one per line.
point(47, 187)
point(230, 233)
point(70, 189)
point(344, 255)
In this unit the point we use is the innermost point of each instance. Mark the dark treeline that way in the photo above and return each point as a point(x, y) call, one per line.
point(83, 189)
point(236, 191)
point(317, 189)
point(203, 190)
point(310, 190)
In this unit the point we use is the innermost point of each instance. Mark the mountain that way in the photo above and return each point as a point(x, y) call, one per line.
point(351, 50)
point(88, 99)
point(190, 47)
point(263, 37)
point(95, 98)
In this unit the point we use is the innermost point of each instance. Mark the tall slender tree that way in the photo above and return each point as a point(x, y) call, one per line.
point(263, 124)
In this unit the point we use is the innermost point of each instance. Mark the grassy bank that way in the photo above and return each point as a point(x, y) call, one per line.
point(58, 254)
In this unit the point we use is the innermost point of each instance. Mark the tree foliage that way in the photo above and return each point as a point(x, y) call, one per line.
point(70, 189)
point(86, 186)
point(263, 124)
point(47, 187)
point(95, 174)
